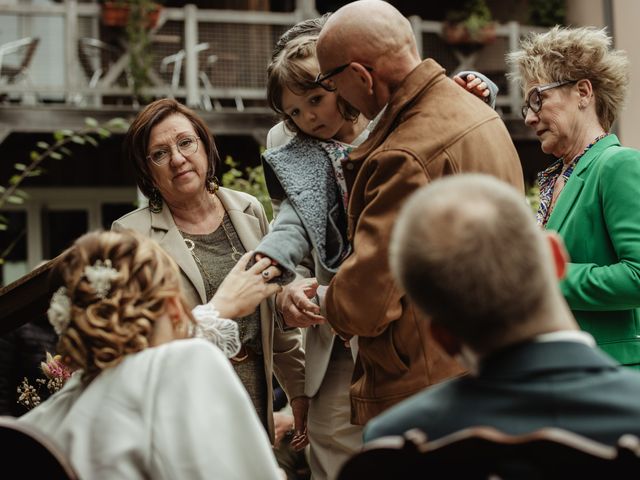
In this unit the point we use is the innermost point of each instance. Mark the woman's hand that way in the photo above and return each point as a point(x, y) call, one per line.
point(272, 270)
point(300, 409)
point(474, 85)
point(242, 290)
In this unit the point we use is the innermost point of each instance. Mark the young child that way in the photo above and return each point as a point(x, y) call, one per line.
point(305, 174)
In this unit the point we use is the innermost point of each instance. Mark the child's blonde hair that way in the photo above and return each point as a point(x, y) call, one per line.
point(295, 67)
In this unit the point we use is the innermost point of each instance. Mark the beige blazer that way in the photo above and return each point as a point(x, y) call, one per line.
point(283, 352)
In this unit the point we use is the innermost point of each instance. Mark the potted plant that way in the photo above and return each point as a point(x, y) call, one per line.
point(138, 17)
point(117, 13)
point(470, 24)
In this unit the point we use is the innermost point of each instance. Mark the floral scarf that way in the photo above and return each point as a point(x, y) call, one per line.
point(339, 152)
point(548, 178)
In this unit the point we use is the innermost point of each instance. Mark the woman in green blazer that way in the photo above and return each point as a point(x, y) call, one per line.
point(575, 86)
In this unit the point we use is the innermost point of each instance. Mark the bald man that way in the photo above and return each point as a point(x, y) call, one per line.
point(424, 127)
point(469, 253)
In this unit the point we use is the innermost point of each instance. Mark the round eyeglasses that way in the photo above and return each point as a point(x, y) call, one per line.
point(534, 99)
point(186, 146)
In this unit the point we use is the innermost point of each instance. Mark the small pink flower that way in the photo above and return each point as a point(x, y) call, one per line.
point(54, 368)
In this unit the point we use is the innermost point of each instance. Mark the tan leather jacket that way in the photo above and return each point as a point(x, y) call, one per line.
point(431, 128)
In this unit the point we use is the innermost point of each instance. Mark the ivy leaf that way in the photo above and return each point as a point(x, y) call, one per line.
point(42, 145)
point(34, 155)
point(77, 139)
point(117, 124)
point(91, 140)
point(55, 155)
point(16, 200)
point(104, 133)
point(91, 122)
point(20, 167)
point(65, 150)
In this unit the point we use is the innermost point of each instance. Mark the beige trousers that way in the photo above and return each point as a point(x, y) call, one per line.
point(332, 437)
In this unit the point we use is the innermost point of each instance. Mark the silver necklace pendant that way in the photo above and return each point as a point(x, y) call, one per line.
point(190, 244)
point(235, 255)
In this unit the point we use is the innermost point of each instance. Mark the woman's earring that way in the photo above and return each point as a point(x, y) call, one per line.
point(155, 201)
point(212, 185)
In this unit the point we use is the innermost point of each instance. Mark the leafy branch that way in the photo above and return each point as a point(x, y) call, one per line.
point(11, 193)
point(250, 181)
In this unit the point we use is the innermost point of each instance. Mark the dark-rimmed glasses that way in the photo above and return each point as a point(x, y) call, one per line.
point(534, 99)
point(186, 146)
point(328, 85)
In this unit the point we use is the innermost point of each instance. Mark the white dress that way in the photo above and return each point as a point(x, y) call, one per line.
point(176, 411)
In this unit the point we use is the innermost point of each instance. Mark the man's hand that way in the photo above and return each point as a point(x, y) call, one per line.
point(294, 303)
point(474, 85)
point(283, 424)
point(300, 409)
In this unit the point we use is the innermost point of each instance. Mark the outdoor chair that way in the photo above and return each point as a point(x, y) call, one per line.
point(15, 59)
point(173, 63)
point(96, 58)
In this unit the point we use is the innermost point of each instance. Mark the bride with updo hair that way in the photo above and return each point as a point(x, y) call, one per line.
point(153, 394)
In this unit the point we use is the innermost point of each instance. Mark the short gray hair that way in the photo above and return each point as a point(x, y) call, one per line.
point(575, 54)
point(468, 252)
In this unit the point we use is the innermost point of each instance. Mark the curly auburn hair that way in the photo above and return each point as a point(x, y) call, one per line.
point(295, 67)
point(102, 330)
point(575, 54)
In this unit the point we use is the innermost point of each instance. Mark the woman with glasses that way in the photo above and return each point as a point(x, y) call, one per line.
point(206, 229)
point(574, 87)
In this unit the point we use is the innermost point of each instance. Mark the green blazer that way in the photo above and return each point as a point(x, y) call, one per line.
point(598, 217)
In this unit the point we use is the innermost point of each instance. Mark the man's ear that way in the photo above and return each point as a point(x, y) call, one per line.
point(445, 339)
point(558, 253)
point(364, 76)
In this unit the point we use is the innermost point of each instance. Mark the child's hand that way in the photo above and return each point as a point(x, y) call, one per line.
point(474, 85)
point(270, 272)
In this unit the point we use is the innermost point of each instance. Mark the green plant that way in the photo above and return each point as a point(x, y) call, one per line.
point(474, 14)
point(251, 181)
point(547, 13)
point(139, 40)
point(57, 150)
point(533, 197)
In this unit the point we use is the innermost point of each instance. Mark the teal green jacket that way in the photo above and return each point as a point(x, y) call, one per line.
point(598, 217)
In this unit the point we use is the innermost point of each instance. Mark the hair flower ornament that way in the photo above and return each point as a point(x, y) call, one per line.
point(59, 312)
point(100, 275)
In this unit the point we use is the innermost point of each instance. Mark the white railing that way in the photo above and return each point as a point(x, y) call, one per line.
point(221, 55)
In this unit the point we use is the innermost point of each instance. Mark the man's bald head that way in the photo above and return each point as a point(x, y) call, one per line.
point(366, 30)
point(372, 33)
